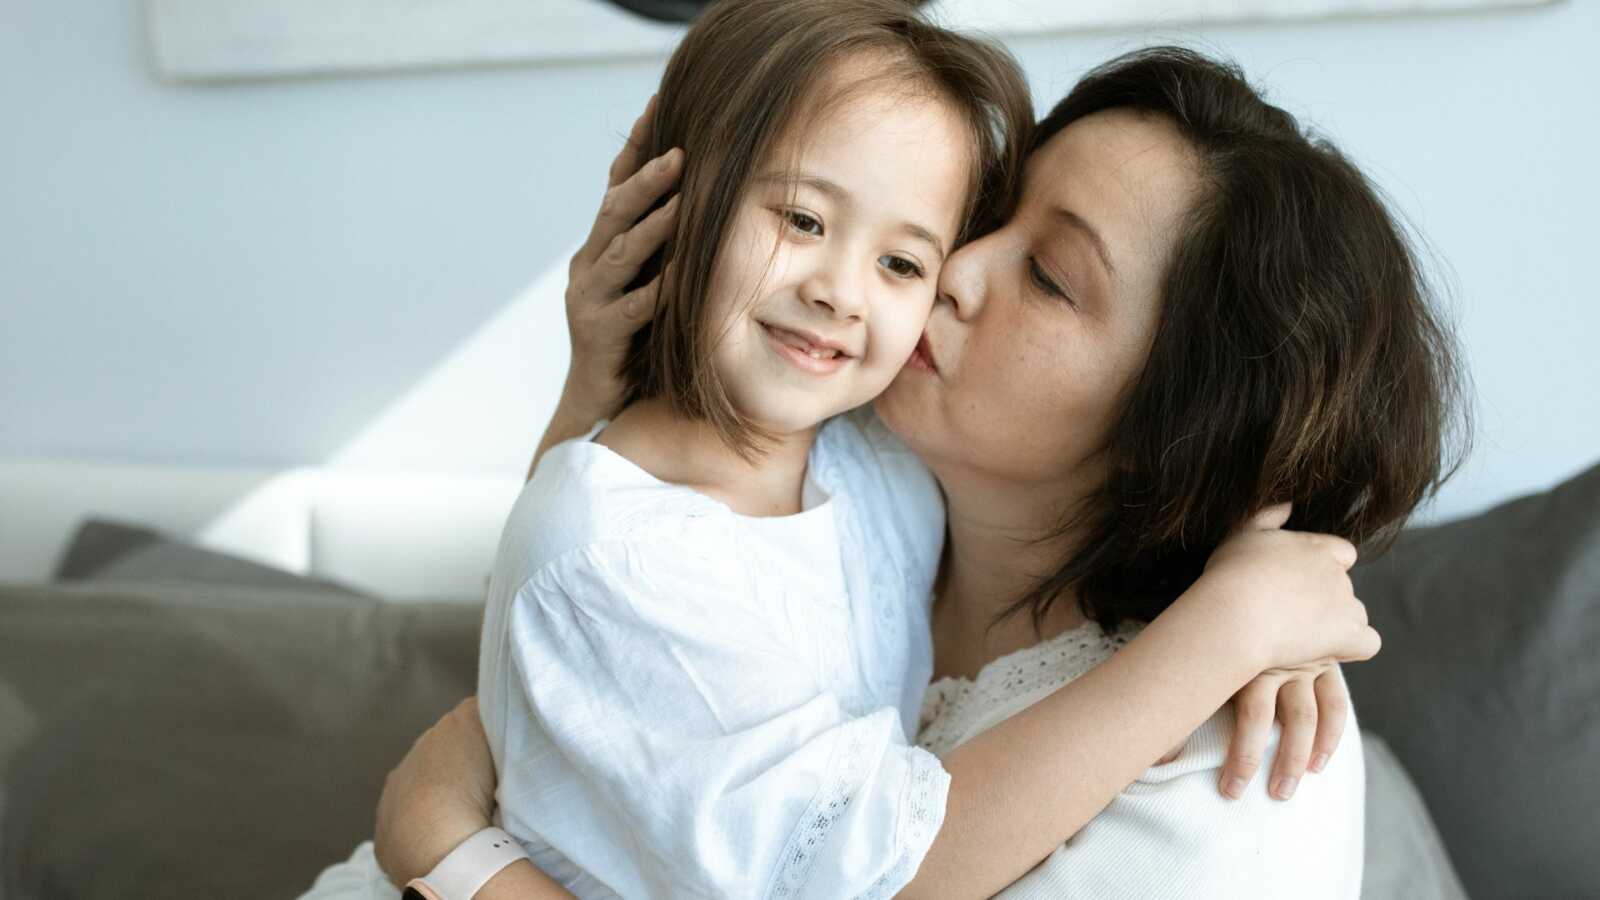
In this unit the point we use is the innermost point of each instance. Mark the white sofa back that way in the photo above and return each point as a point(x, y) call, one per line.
point(398, 534)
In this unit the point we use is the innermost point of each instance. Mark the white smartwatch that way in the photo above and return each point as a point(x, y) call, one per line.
point(467, 868)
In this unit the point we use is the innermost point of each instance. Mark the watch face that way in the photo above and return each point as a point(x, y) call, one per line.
point(412, 893)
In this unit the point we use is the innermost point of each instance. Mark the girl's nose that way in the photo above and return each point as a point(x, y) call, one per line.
point(834, 291)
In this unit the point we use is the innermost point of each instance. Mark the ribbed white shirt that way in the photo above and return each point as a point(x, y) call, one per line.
point(1170, 833)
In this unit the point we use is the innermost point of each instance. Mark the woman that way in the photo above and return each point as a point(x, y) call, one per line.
point(1193, 312)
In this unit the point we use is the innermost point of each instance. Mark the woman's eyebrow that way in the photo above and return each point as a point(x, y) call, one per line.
point(1076, 221)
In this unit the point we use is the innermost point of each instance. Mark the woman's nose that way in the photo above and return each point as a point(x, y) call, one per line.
point(963, 281)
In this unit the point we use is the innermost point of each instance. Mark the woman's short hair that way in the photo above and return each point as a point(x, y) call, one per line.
point(1299, 355)
point(743, 78)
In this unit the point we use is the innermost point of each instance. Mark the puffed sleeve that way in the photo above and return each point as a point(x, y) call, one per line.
point(1172, 834)
point(707, 761)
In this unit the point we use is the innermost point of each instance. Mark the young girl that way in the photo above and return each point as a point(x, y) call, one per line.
point(706, 638)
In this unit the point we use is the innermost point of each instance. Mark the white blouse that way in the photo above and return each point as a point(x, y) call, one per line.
point(1170, 833)
point(683, 701)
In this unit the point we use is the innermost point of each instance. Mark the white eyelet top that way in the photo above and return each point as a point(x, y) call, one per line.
point(685, 702)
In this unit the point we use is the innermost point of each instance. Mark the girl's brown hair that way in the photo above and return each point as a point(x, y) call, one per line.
point(739, 81)
point(1299, 354)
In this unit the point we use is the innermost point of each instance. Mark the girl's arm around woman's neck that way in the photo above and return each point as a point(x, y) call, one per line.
point(1022, 788)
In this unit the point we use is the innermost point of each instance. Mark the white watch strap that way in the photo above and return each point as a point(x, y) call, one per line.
point(472, 863)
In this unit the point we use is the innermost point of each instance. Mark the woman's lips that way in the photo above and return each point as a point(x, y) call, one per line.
point(922, 357)
point(798, 348)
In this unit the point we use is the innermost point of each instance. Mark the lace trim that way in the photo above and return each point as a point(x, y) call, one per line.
point(848, 767)
point(846, 466)
point(897, 576)
point(927, 786)
point(953, 705)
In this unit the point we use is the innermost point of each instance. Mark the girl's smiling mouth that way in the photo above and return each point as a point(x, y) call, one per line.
point(806, 351)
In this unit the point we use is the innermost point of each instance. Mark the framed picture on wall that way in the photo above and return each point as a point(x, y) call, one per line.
point(204, 40)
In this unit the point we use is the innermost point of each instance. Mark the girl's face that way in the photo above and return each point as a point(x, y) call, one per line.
point(832, 262)
point(1043, 324)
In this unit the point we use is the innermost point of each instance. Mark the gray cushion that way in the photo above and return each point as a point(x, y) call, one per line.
point(207, 741)
point(107, 550)
point(1488, 686)
point(1405, 857)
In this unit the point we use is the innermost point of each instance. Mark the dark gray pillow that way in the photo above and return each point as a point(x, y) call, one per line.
point(1488, 686)
point(207, 741)
point(107, 550)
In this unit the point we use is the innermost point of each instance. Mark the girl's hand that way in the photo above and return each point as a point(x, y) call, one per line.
point(1311, 703)
point(1293, 590)
point(1289, 594)
point(438, 796)
point(601, 315)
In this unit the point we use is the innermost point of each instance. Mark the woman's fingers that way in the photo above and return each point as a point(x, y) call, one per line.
point(639, 305)
point(1297, 711)
point(631, 156)
point(624, 203)
point(628, 251)
point(628, 162)
point(1333, 710)
point(1253, 710)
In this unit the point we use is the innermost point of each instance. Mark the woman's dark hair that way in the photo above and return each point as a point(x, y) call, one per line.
point(744, 78)
point(1298, 357)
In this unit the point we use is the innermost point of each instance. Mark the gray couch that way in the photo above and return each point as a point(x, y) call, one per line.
point(175, 725)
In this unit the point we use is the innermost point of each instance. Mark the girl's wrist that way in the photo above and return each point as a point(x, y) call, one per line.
point(1220, 616)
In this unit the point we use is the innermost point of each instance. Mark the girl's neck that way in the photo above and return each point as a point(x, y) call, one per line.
point(656, 438)
point(1003, 537)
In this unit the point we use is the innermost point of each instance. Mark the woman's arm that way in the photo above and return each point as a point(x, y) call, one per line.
point(438, 796)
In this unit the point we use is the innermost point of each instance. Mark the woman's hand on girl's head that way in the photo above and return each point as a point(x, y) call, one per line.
point(1311, 703)
point(602, 315)
point(439, 795)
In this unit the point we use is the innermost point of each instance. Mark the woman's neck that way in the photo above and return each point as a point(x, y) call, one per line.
point(654, 437)
point(1003, 537)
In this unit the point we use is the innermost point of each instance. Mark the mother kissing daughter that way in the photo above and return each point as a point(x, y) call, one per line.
point(714, 616)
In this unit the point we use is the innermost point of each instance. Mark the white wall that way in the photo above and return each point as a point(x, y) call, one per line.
point(368, 270)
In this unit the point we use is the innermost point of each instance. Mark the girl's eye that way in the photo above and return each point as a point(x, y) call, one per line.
point(803, 223)
point(901, 267)
point(1043, 280)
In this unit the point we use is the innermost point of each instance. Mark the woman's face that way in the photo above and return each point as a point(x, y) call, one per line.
point(1041, 325)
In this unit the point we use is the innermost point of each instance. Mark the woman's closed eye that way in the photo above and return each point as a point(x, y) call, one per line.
point(1045, 283)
